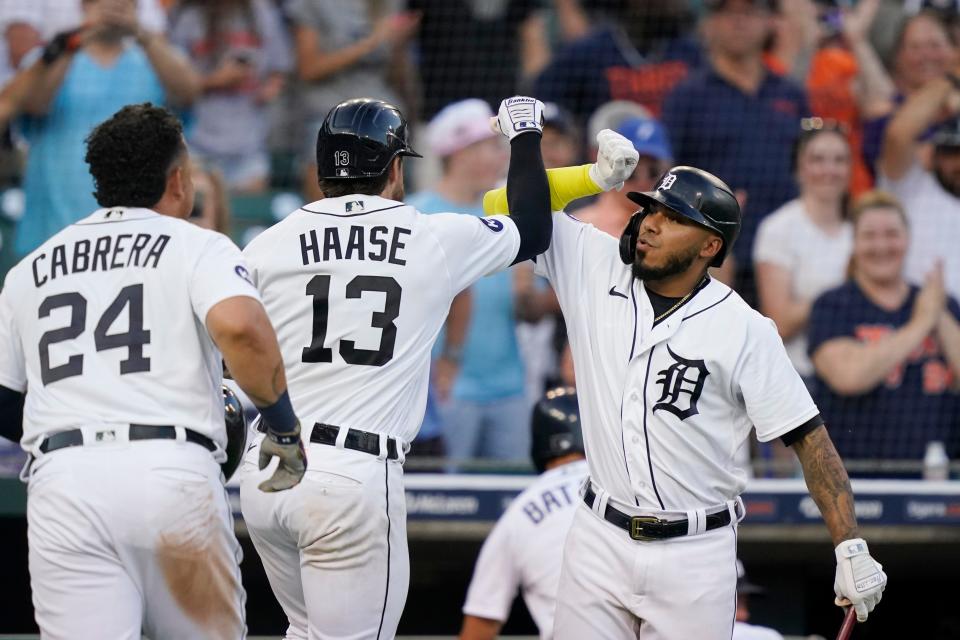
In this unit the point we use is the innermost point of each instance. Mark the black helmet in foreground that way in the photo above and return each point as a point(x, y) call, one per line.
point(359, 138)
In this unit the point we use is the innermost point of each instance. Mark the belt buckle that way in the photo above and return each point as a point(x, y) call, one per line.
point(636, 527)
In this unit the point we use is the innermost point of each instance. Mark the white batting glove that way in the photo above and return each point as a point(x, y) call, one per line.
point(518, 115)
point(860, 579)
point(616, 160)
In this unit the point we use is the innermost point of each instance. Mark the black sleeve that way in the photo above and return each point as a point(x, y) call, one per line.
point(528, 196)
point(793, 436)
point(11, 414)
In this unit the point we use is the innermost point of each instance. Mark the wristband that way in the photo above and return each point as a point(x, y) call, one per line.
point(63, 42)
point(279, 416)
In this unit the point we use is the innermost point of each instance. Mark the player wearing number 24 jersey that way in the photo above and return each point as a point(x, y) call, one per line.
point(114, 330)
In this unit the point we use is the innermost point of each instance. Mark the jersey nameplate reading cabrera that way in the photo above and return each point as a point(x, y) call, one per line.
point(104, 253)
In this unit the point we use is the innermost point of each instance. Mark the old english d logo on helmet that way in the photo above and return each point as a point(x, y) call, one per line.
point(667, 182)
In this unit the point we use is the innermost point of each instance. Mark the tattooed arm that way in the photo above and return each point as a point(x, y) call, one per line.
point(828, 483)
point(860, 579)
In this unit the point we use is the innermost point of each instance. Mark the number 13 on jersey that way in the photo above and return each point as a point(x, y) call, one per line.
point(319, 289)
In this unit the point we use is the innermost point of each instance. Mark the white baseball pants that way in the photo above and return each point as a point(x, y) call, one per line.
point(131, 537)
point(614, 588)
point(335, 546)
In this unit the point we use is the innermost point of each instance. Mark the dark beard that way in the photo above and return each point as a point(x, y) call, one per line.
point(676, 264)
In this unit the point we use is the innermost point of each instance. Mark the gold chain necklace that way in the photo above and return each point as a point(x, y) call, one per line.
point(672, 309)
point(679, 302)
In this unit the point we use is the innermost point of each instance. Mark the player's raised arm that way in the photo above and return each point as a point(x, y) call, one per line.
point(616, 160)
point(521, 120)
point(241, 330)
point(860, 579)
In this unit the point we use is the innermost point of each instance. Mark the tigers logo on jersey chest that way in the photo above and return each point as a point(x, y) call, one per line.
point(681, 384)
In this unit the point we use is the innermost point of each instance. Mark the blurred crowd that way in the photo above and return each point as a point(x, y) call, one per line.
point(837, 124)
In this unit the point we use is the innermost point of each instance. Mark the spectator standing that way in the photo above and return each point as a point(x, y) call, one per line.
point(119, 63)
point(345, 50)
point(738, 120)
point(640, 54)
point(485, 412)
point(925, 50)
point(928, 184)
point(242, 53)
point(28, 24)
point(803, 248)
point(827, 49)
point(886, 352)
point(456, 42)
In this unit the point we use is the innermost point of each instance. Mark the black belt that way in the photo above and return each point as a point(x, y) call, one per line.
point(651, 528)
point(74, 437)
point(357, 440)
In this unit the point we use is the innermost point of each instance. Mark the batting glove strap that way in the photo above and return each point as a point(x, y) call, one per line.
point(284, 438)
point(860, 579)
point(519, 115)
point(616, 160)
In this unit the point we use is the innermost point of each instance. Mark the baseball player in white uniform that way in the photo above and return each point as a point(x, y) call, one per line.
point(358, 286)
point(113, 329)
point(673, 370)
point(523, 550)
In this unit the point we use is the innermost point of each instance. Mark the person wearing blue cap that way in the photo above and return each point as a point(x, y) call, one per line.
point(612, 209)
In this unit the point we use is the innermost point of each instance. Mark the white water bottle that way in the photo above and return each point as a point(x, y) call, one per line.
point(936, 464)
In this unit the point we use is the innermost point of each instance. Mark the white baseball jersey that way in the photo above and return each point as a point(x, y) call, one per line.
point(525, 548)
point(358, 288)
point(666, 407)
point(103, 324)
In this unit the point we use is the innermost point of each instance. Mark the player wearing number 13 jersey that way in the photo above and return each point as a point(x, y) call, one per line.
point(358, 286)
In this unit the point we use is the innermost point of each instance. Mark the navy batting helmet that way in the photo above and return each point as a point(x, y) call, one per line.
point(555, 427)
point(236, 424)
point(694, 194)
point(359, 138)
